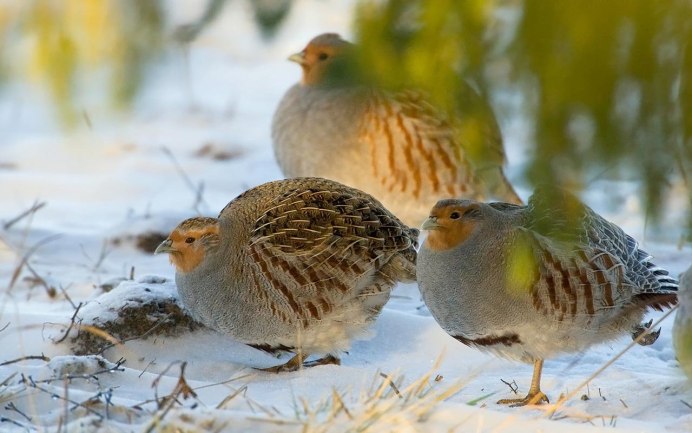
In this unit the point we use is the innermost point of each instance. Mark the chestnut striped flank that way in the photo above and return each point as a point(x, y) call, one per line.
point(490, 340)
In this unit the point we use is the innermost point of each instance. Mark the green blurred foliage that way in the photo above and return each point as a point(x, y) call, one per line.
point(65, 42)
point(607, 85)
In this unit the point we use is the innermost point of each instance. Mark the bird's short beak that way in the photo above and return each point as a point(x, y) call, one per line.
point(298, 58)
point(165, 247)
point(430, 223)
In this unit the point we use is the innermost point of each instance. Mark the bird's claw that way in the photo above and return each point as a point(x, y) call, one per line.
point(532, 398)
point(296, 363)
point(650, 337)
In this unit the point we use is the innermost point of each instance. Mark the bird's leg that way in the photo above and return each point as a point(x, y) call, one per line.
point(535, 395)
point(293, 364)
point(329, 359)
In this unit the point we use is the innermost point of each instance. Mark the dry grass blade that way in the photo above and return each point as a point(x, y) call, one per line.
point(231, 396)
point(167, 402)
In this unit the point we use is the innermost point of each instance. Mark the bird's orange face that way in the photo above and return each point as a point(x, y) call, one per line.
point(450, 223)
point(318, 55)
point(188, 243)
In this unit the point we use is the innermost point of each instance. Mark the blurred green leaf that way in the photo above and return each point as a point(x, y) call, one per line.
point(606, 85)
point(68, 42)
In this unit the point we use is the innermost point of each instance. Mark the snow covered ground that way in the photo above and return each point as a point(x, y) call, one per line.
point(203, 120)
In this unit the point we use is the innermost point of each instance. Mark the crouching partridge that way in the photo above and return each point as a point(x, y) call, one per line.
point(395, 146)
point(301, 264)
point(682, 328)
point(528, 283)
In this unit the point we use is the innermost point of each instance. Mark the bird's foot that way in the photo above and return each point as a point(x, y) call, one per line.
point(293, 364)
point(648, 339)
point(329, 359)
point(532, 398)
point(296, 363)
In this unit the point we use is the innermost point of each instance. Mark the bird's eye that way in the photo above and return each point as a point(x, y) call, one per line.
point(189, 240)
point(454, 215)
point(323, 56)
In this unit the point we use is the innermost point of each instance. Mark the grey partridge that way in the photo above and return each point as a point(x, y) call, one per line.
point(531, 282)
point(394, 145)
point(302, 264)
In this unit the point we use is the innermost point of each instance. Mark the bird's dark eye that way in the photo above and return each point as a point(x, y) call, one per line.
point(323, 56)
point(454, 215)
point(189, 240)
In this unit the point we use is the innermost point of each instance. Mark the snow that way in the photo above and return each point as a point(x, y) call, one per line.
point(134, 174)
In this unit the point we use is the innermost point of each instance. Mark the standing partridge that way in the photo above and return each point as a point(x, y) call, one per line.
point(682, 328)
point(395, 146)
point(302, 264)
point(528, 283)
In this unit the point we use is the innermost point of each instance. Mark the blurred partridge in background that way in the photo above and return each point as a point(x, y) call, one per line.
point(303, 264)
point(396, 146)
point(530, 282)
point(682, 328)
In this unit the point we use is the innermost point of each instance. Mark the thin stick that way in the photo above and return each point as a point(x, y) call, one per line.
point(33, 209)
point(26, 358)
point(11, 406)
point(27, 255)
point(197, 190)
point(551, 411)
point(72, 321)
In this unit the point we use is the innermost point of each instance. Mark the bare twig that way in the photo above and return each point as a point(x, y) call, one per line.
point(512, 385)
point(72, 322)
point(11, 406)
point(41, 357)
point(64, 292)
point(94, 376)
point(8, 378)
point(28, 380)
point(5, 327)
point(167, 402)
point(32, 210)
point(27, 255)
point(197, 190)
point(145, 368)
point(101, 257)
point(17, 423)
point(50, 290)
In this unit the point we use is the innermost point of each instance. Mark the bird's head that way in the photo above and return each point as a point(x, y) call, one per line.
point(319, 55)
point(451, 223)
point(190, 242)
